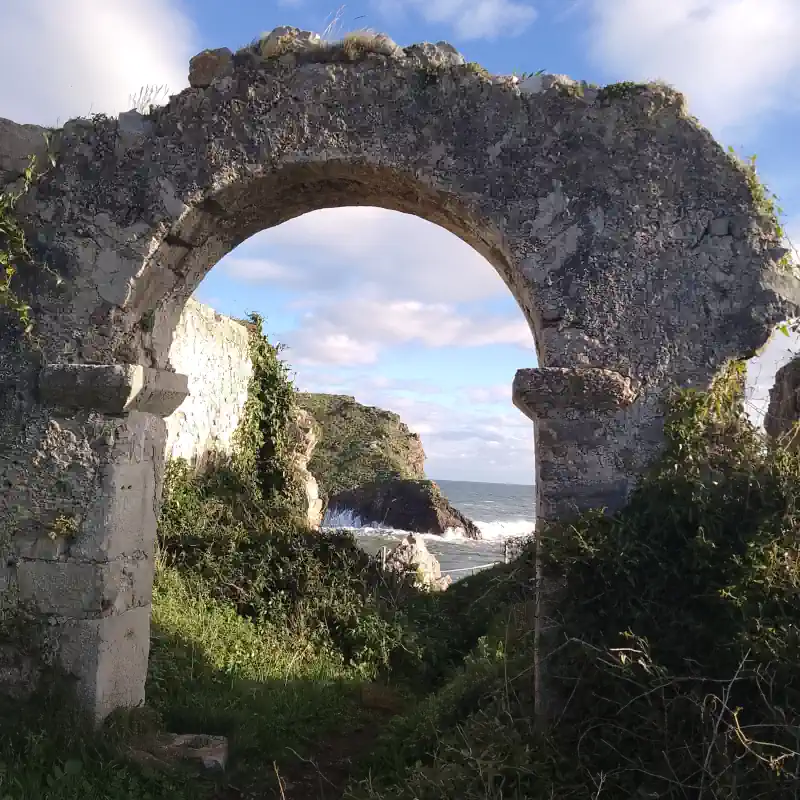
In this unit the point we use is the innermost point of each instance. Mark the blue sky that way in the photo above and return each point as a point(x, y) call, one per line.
point(385, 306)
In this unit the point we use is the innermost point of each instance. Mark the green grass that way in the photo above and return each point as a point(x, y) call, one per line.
point(271, 692)
point(274, 695)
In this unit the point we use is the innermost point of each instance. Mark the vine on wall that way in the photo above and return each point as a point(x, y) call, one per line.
point(265, 439)
point(13, 244)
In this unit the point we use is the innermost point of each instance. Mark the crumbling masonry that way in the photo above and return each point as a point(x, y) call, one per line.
point(629, 238)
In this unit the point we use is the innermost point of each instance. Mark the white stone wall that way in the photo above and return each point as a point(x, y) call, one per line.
point(213, 351)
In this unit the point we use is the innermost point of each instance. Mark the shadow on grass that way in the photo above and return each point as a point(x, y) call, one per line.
point(274, 727)
point(291, 738)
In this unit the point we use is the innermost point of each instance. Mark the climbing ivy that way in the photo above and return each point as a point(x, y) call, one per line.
point(265, 437)
point(14, 249)
point(13, 244)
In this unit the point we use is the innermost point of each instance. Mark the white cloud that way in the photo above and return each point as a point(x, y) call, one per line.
point(735, 59)
point(469, 19)
point(76, 57)
point(355, 332)
point(361, 247)
point(489, 395)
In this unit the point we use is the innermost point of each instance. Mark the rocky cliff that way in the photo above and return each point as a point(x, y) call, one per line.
point(406, 505)
point(360, 444)
point(784, 404)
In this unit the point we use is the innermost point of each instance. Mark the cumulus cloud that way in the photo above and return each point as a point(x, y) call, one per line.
point(468, 19)
point(348, 248)
point(489, 395)
point(89, 56)
point(356, 331)
point(735, 59)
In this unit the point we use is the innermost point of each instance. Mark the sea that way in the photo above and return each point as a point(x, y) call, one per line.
point(503, 512)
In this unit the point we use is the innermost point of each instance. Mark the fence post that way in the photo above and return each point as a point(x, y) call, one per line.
point(505, 552)
point(383, 558)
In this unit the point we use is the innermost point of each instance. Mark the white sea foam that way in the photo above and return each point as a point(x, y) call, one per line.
point(496, 531)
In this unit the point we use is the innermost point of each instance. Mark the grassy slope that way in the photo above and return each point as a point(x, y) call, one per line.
point(359, 444)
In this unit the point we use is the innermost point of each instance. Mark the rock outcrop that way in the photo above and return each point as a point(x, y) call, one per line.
point(306, 435)
point(409, 505)
point(784, 404)
point(360, 444)
point(412, 555)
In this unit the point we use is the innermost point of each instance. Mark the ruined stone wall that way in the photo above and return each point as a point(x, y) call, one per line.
point(636, 248)
point(212, 351)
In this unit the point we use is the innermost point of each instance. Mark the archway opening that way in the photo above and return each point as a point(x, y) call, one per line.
point(398, 314)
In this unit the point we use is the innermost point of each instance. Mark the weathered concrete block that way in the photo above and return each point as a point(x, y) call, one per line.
point(122, 520)
point(108, 656)
point(213, 351)
point(112, 388)
point(79, 589)
point(542, 390)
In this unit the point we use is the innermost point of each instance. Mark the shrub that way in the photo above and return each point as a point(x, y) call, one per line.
point(675, 670)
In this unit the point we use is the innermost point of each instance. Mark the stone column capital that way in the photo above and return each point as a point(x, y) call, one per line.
point(540, 392)
point(112, 388)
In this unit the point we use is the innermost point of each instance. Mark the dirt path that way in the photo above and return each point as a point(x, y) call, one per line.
point(325, 775)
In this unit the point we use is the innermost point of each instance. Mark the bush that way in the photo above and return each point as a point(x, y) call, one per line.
point(675, 671)
point(316, 585)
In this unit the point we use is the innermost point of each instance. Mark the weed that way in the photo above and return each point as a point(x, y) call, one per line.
point(477, 69)
point(149, 97)
point(620, 91)
point(766, 202)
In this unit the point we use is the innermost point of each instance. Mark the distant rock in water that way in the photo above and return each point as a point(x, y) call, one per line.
point(417, 506)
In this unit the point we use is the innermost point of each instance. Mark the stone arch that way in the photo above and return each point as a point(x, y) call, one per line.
point(630, 240)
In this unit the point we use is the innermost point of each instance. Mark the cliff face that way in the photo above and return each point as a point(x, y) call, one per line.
point(360, 444)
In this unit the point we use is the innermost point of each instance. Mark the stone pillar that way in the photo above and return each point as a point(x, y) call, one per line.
point(91, 577)
point(577, 421)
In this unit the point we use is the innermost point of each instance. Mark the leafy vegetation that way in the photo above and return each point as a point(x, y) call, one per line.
point(675, 670)
point(621, 90)
point(359, 444)
point(14, 249)
point(264, 439)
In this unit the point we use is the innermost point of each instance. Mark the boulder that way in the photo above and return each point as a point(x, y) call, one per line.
point(287, 39)
point(413, 555)
point(209, 66)
point(417, 506)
